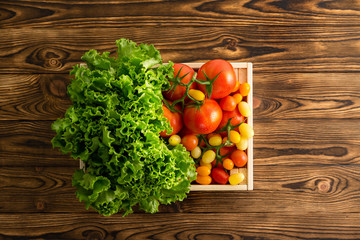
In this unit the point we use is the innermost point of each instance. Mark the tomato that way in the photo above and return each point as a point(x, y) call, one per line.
point(203, 171)
point(235, 115)
point(203, 180)
point(228, 103)
point(179, 91)
point(226, 150)
point(239, 158)
point(228, 164)
point(205, 119)
point(175, 120)
point(244, 89)
point(190, 142)
point(219, 165)
point(220, 176)
point(224, 83)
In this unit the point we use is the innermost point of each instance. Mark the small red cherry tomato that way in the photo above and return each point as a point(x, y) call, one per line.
point(220, 176)
point(239, 158)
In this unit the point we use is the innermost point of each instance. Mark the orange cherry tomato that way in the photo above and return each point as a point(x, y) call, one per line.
point(228, 164)
point(244, 89)
point(239, 158)
point(203, 180)
point(203, 171)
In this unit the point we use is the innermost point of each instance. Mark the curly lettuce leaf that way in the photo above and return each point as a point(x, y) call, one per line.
point(113, 126)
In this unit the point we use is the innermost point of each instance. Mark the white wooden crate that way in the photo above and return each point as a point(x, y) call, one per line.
point(244, 70)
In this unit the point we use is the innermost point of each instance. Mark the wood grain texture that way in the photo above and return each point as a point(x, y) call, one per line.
point(268, 226)
point(278, 96)
point(62, 13)
point(271, 49)
point(33, 97)
point(289, 142)
point(281, 189)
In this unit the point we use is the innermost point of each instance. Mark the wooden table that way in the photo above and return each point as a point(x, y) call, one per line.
point(306, 57)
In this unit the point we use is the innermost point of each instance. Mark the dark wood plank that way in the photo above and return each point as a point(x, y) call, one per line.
point(271, 49)
point(28, 143)
point(278, 96)
point(33, 97)
point(282, 189)
point(120, 13)
point(276, 142)
point(264, 226)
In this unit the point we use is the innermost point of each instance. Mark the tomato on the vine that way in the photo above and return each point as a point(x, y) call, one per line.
point(179, 91)
point(225, 81)
point(175, 120)
point(235, 115)
point(205, 119)
point(219, 176)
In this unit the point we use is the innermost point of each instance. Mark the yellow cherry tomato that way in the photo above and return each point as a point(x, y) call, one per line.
point(215, 140)
point(246, 131)
point(196, 152)
point(228, 164)
point(243, 144)
point(244, 89)
point(203, 171)
point(244, 109)
point(208, 156)
point(203, 180)
point(174, 140)
point(234, 136)
point(197, 94)
point(236, 178)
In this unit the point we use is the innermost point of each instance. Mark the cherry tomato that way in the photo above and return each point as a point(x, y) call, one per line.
point(228, 103)
point(219, 165)
point(179, 91)
point(175, 120)
point(220, 176)
point(204, 120)
point(228, 164)
point(224, 83)
point(227, 150)
point(244, 89)
point(236, 118)
point(239, 158)
point(203, 180)
point(190, 142)
point(203, 171)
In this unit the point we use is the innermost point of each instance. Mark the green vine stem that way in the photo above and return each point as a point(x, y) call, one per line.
point(176, 80)
point(218, 157)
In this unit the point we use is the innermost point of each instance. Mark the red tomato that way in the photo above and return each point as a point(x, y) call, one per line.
point(235, 115)
point(239, 158)
point(219, 165)
point(179, 91)
point(204, 120)
point(220, 176)
point(190, 142)
point(224, 83)
point(226, 150)
point(175, 120)
point(228, 103)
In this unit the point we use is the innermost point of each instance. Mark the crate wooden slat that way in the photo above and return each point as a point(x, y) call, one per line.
point(244, 73)
point(243, 69)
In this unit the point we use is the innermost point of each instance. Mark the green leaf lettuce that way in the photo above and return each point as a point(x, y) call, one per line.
point(113, 126)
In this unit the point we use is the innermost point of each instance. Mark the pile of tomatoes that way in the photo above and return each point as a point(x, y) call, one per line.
point(207, 110)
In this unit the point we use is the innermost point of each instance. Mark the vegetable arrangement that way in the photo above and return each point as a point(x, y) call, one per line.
point(113, 126)
point(146, 130)
point(213, 127)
